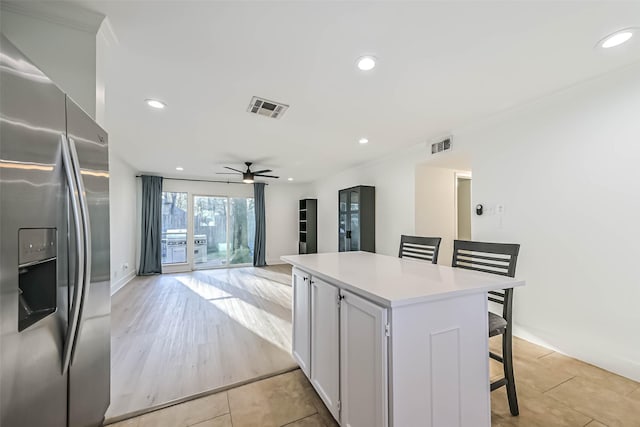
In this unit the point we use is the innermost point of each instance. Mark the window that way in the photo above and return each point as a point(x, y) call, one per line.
point(174, 228)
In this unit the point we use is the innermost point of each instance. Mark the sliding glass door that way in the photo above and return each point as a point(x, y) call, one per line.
point(209, 231)
point(223, 231)
point(174, 228)
point(242, 227)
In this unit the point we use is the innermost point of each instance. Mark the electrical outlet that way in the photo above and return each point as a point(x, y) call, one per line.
point(500, 209)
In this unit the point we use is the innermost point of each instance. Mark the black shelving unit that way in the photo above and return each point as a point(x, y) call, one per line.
point(357, 219)
point(308, 226)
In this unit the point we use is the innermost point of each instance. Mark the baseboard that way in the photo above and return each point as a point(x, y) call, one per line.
point(592, 354)
point(115, 287)
point(527, 335)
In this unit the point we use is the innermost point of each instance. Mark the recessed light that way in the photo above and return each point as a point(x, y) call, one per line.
point(366, 63)
point(154, 103)
point(363, 140)
point(616, 39)
point(289, 179)
point(179, 168)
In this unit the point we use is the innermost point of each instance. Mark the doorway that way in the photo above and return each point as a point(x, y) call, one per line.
point(463, 206)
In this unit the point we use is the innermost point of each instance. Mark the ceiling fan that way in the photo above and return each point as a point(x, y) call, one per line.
point(249, 175)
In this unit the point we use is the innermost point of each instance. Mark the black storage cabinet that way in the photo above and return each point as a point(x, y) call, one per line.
point(357, 219)
point(308, 226)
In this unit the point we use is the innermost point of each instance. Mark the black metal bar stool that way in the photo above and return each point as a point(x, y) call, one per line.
point(422, 248)
point(496, 258)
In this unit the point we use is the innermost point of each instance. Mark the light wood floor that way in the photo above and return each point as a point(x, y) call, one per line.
point(180, 335)
point(553, 390)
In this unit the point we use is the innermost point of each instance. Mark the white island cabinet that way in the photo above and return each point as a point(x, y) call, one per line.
point(388, 342)
point(301, 336)
point(325, 355)
point(363, 362)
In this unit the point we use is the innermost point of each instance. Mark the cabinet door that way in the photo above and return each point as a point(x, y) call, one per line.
point(354, 200)
point(325, 357)
point(343, 208)
point(301, 348)
point(363, 363)
point(343, 201)
point(342, 233)
point(354, 227)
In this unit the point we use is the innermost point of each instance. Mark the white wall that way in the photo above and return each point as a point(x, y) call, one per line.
point(281, 211)
point(394, 179)
point(105, 41)
point(122, 214)
point(66, 55)
point(565, 169)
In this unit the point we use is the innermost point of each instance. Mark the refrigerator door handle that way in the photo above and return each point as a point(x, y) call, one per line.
point(72, 328)
point(84, 209)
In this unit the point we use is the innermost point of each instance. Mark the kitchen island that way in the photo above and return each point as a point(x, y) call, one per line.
point(391, 342)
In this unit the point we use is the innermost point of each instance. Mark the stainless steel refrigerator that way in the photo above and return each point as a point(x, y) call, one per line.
point(54, 261)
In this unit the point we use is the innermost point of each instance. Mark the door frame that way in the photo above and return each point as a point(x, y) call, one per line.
point(190, 264)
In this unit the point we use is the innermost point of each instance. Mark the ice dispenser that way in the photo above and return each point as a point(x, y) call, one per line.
point(37, 279)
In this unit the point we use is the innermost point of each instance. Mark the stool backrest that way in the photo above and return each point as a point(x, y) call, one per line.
point(422, 248)
point(495, 258)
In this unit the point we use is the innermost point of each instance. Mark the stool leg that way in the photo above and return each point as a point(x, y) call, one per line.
point(508, 372)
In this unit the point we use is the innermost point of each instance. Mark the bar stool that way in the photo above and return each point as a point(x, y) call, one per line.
point(422, 248)
point(495, 258)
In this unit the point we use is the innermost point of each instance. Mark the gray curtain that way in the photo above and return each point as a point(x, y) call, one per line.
point(260, 242)
point(150, 246)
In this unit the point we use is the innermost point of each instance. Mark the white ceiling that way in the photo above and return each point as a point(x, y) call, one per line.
point(441, 65)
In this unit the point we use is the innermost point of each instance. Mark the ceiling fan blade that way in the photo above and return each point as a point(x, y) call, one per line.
point(267, 176)
point(227, 167)
point(226, 173)
point(262, 171)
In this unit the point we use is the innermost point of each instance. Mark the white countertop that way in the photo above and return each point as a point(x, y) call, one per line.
point(392, 281)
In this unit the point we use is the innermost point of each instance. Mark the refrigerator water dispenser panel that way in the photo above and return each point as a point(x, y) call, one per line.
point(37, 275)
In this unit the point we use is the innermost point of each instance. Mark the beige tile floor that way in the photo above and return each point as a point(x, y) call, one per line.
point(553, 390)
point(284, 400)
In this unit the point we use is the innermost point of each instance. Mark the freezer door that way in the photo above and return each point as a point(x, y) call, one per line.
point(89, 373)
point(33, 276)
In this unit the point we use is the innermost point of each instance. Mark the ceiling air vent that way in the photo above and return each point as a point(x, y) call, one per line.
point(443, 145)
point(267, 108)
